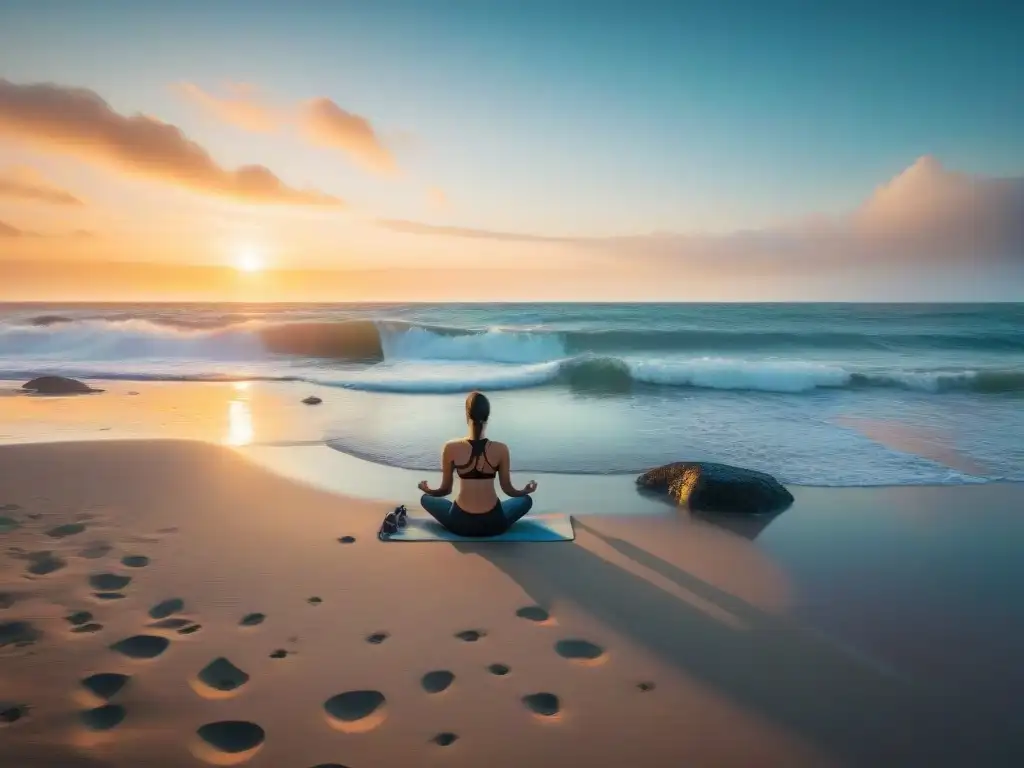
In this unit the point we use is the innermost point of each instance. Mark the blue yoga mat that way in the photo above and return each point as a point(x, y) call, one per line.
point(550, 527)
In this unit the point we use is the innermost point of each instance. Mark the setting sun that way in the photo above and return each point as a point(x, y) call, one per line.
point(248, 260)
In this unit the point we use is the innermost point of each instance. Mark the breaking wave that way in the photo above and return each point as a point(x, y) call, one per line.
point(407, 357)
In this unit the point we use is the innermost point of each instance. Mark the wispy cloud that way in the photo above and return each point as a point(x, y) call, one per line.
point(925, 213)
point(23, 183)
point(320, 121)
point(325, 123)
point(79, 122)
point(9, 230)
point(243, 106)
point(420, 228)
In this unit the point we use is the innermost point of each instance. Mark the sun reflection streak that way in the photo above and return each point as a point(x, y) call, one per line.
point(240, 430)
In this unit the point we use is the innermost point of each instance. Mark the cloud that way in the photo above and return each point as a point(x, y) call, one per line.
point(946, 210)
point(325, 123)
point(241, 107)
point(28, 184)
point(79, 122)
point(419, 228)
point(8, 230)
point(924, 214)
point(321, 121)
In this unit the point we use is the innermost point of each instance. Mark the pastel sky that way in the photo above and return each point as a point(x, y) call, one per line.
point(483, 150)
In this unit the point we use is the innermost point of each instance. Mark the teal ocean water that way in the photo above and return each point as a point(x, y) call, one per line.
point(818, 394)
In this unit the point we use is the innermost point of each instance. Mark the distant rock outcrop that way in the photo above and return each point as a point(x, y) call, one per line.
point(312, 400)
point(717, 488)
point(58, 385)
point(44, 321)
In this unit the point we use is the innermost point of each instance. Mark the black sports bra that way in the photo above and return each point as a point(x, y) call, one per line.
point(479, 451)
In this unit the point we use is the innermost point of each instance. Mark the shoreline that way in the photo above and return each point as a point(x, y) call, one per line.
point(268, 416)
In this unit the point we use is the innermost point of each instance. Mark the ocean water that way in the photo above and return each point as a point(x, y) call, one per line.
point(817, 394)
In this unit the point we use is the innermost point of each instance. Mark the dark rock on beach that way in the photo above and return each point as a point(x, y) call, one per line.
point(717, 488)
point(312, 400)
point(58, 385)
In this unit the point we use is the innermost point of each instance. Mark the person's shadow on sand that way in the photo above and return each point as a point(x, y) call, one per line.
point(852, 709)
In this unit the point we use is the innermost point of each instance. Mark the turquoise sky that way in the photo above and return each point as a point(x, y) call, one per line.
point(573, 117)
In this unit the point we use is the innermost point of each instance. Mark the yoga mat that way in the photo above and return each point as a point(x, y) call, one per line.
point(550, 527)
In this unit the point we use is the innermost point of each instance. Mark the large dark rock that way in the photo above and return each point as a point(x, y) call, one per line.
point(717, 488)
point(58, 385)
point(47, 320)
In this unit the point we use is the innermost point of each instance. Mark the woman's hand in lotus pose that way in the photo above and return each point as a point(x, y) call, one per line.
point(530, 487)
point(424, 486)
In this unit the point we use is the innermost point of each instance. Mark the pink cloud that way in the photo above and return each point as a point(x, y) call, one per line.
point(78, 122)
point(326, 124)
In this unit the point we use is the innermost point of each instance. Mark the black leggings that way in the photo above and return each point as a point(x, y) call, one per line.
point(493, 523)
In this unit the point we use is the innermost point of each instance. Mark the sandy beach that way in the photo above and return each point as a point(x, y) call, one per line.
point(205, 589)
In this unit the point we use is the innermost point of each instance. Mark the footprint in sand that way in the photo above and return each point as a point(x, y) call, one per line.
point(252, 619)
point(8, 524)
point(498, 669)
point(190, 630)
point(356, 711)
point(347, 540)
point(43, 563)
point(280, 653)
point(135, 561)
point(581, 652)
point(103, 718)
point(166, 608)
point(645, 686)
point(9, 507)
point(470, 635)
point(12, 713)
point(105, 685)
point(109, 582)
point(18, 633)
point(63, 531)
point(533, 613)
point(229, 742)
point(437, 681)
point(109, 595)
point(219, 679)
point(141, 646)
point(172, 529)
point(95, 551)
point(7, 600)
point(445, 739)
point(544, 705)
point(314, 600)
point(377, 638)
point(78, 618)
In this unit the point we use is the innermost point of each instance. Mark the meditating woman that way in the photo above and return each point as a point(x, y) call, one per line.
point(476, 511)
